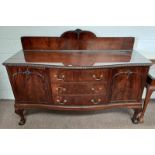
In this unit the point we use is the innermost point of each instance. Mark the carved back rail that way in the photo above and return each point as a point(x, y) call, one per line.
point(77, 40)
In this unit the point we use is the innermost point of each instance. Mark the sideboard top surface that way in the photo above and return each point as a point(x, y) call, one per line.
point(78, 58)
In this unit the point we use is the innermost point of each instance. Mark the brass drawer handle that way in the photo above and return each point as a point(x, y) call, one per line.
point(96, 101)
point(61, 89)
point(60, 77)
point(61, 102)
point(93, 89)
point(98, 78)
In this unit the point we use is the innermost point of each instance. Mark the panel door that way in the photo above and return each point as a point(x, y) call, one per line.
point(127, 84)
point(29, 84)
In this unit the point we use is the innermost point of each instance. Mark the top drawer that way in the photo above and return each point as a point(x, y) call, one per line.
point(69, 75)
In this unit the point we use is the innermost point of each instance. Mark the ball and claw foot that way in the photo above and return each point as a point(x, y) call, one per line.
point(22, 118)
point(137, 118)
point(22, 122)
point(134, 121)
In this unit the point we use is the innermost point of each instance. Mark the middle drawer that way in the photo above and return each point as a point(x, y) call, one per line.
point(79, 88)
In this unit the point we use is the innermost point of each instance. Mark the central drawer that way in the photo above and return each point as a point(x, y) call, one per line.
point(80, 100)
point(79, 88)
point(64, 75)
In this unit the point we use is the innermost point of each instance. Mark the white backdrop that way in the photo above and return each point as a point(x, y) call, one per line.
point(10, 43)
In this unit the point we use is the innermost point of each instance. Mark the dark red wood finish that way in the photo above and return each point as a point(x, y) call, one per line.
point(77, 40)
point(78, 89)
point(29, 84)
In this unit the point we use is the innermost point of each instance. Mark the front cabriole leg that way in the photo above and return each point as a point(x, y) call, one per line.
point(20, 112)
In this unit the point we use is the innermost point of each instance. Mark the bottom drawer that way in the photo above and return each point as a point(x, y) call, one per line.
point(80, 100)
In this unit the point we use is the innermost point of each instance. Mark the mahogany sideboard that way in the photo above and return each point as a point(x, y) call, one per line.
point(77, 72)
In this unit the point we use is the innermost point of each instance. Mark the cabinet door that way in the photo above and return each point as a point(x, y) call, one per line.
point(29, 84)
point(127, 84)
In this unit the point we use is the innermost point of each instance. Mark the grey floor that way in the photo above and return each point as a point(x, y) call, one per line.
point(43, 119)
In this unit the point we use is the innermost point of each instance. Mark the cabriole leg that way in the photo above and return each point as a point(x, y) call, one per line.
point(149, 91)
point(21, 114)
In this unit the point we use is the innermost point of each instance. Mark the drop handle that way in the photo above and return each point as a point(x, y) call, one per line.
point(61, 102)
point(61, 89)
point(98, 78)
point(94, 101)
point(94, 90)
point(60, 77)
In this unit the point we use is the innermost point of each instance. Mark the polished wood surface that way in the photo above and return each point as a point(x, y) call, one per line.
point(29, 84)
point(44, 76)
point(77, 40)
point(79, 58)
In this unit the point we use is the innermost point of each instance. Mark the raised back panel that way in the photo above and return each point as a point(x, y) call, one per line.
point(77, 40)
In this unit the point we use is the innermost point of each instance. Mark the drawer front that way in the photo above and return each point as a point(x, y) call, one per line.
point(79, 88)
point(62, 75)
point(80, 100)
